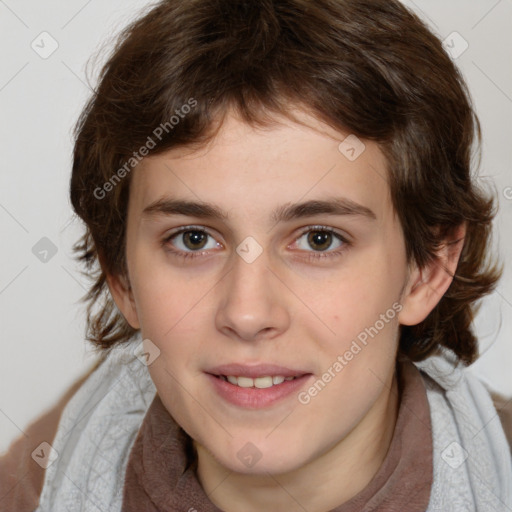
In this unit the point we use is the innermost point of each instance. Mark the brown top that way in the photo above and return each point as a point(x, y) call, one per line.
point(21, 479)
point(161, 461)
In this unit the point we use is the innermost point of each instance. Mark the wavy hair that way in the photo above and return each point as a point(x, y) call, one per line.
point(367, 67)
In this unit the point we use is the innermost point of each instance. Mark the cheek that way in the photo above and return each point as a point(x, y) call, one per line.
point(357, 365)
point(357, 298)
point(173, 314)
point(361, 310)
point(164, 297)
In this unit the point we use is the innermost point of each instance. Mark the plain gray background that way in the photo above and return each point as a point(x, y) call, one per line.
point(41, 96)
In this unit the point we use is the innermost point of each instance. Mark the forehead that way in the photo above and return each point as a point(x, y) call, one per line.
point(250, 170)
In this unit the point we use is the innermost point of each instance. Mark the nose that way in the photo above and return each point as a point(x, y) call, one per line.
point(253, 301)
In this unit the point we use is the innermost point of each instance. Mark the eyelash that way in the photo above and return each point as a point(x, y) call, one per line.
point(314, 255)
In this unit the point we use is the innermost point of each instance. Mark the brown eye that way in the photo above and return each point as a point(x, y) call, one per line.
point(190, 240)
point(320, 240)
point(194, 239)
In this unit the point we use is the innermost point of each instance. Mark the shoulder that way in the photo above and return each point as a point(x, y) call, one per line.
point(446, 375)
point(503, 407)
point(96, 431)
point(22, 465)
point(472, 457)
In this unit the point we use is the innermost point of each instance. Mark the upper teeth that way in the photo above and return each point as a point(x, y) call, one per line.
point(259, 382)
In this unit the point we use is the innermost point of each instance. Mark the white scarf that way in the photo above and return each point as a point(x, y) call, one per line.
point(471, 456)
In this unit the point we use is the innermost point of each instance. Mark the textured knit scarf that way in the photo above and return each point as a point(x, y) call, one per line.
point(472, 462)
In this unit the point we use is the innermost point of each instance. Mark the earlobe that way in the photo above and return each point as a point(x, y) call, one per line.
point(121, 292)
point(426, 286)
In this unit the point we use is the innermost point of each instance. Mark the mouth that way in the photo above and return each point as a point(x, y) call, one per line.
point(260, 382)
point(256, 387)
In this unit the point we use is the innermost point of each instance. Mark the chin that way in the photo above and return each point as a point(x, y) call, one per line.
point(260, 458)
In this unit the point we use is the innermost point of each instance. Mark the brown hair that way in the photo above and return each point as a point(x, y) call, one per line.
point(367, 67)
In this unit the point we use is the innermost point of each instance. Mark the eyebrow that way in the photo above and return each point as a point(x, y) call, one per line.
point(285, 213)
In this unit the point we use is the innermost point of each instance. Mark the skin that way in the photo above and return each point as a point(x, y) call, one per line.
point(282, 308)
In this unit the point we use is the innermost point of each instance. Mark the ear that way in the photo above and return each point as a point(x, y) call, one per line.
point(122, 294)
point(426, 286)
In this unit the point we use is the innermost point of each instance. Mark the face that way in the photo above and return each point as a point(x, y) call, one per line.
point(252, 286)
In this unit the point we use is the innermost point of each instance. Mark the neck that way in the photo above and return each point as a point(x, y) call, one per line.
point(336, 475)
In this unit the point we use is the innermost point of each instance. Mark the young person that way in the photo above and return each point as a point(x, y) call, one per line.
point(287, 244)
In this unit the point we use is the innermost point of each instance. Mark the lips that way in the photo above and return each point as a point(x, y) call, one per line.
point(256, 386)
point(256, 371)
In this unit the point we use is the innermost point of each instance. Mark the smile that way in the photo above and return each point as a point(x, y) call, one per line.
point(257, 393)
point(260, 382)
